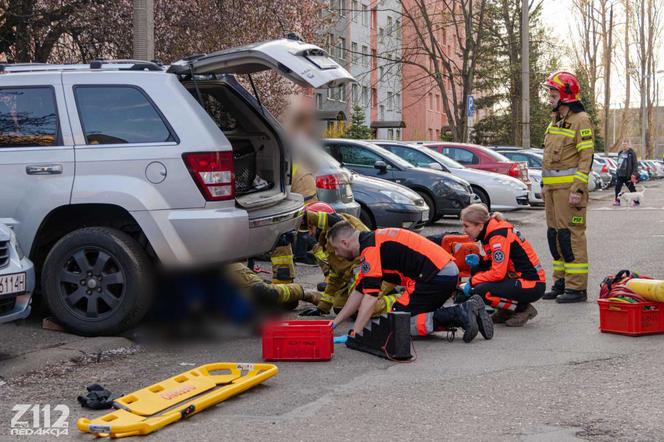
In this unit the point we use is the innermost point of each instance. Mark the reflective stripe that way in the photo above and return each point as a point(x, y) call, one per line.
point(558, 265)
point(421, 325)
point(389, 302)
point(282, 260)
point(539, 268)
point(577, 272)
point(322, 220)
point(558, 172)
point(555, 130)
point(320, 255)
point(557, 179)
point(584, 145)
point(574, 268)
point(581, 177)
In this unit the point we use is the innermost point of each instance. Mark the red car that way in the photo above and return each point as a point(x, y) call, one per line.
point(482, 158)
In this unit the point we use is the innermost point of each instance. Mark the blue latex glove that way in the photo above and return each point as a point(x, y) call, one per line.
point(467, 288)
point(340, 339)
point(334, 326)
point(472, 260)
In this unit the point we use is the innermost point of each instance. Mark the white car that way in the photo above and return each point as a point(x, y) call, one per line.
point(17, 278)
point(497, 191)
point(535, 196)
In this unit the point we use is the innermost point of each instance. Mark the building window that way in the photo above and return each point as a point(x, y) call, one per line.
point(389, 101)
point(365, 95)
point(342, 93)
point(390, 134)
point(398, 29)
point(365, 15)
point(438, 102)
point(319, 101)
point(430, 134)
point(374, 17)
point(330, 93)
point(341, 50)
point(341, 9)
point(329, 44)
point(397, 103)
point(365, 56)
point(374, 97)
point(380, 73)
point(354, 94)
point(381, 113)
point(353, 49)
point(389, 26)
point(437, 134)
point(381, 35)
point(430, 101)
point(444, 36)
point(356, 10)
point(398, 134)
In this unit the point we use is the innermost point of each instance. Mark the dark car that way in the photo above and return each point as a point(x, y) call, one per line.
point(441, 191)
point(530, 157)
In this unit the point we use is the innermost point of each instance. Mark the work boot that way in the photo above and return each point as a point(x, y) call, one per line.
point(557, 289)
point(571, 296)
point(519, 319)
point(307, 259)
point(484, 323)
point(311, 296)
point(500, 316)
point(460, 315)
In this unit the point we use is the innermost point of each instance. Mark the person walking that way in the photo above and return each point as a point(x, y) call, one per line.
point(626, 171)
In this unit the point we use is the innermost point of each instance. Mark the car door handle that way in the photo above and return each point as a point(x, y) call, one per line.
point(44, 169)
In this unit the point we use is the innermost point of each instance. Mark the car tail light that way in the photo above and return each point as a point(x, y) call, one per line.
point(605, 169)
point(328, 182)
point(213, 173)
point(514, 171)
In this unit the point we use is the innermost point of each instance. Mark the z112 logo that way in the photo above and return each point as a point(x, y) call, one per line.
point(40, 420)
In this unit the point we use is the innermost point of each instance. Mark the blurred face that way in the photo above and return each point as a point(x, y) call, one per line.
point(554, 97)
point(625, 145)
point(471, 229)
point(345, 248)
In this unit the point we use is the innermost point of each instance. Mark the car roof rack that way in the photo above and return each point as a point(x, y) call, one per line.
point(95, 65)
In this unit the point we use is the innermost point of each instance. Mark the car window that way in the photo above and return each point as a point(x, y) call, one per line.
point(411, 155)
point(28, 117)
point(358, 156)
point(463, 156)
point(118, 115)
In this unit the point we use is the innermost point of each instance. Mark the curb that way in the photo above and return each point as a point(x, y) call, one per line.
point(71, 352)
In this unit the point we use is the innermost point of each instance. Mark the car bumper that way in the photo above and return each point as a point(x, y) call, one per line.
point(193, 237)
point(14, 307)
point(352, 208)
point(400, 215)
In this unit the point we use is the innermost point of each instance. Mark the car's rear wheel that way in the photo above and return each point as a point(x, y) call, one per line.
point(97, 281)
point(367, 218)
point(484, 197)
point(432, 206)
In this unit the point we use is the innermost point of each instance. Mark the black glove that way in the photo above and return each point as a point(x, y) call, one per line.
point(98, 398)
point(313, 311)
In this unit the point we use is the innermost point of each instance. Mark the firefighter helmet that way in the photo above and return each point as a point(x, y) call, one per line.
point(319, 207)
point(565, 83)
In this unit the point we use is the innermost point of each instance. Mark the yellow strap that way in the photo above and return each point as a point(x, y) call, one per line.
point(558, 179)
point(588, 144)
point(577, 265)
point(577, 272)
point(322, 220)
point(581, 177)
point(282, 260)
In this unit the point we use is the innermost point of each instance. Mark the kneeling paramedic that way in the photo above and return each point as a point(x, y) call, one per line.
point(509, 277)
point(398, 253)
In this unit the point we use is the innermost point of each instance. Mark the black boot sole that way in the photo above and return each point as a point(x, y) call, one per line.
point(473, 327)
point(563, 300)
point(484, 321)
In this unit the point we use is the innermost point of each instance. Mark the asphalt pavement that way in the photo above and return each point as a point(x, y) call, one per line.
point(556, 379)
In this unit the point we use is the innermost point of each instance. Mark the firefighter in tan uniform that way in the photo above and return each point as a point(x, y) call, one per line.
point(340, 273)
point(568, 157)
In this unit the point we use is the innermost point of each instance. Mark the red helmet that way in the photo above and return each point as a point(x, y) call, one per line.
point(565, 83)
point(319, 207)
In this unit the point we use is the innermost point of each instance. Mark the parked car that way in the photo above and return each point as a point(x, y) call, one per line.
point(333, 182)
point(443, 193)
point(387, 204)
point(605, 166)
point(644, 170)
point(109, 168)
point(534, 161)
point(17, 278)
point(482, 158)
point(498, 192)
point(656, 168)
point(594, 181)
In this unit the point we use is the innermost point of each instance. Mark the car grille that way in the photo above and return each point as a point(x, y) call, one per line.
point(7, 305)
point(522, 200)
point(4, 253)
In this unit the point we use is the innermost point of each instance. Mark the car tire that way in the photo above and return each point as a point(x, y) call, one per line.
point(367, 218)
point(432, 207)
point(97, 281)
point(484, 198)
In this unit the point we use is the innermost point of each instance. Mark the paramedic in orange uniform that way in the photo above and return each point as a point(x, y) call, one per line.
point(399, 254)
point(509, 277)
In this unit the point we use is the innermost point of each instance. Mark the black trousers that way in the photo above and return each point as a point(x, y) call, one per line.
point(522, 291)
point(624, 180)
point(429, 296)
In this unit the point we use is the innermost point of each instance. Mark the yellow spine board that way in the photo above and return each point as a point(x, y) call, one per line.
point(151, 408)
point(651, 289)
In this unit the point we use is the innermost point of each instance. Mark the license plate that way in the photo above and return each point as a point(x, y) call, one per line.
point(14, 283)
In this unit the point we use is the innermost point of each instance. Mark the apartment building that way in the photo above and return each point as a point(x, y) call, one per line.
point(366, 39)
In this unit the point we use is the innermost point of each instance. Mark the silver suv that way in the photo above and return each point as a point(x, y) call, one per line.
point(109, 168)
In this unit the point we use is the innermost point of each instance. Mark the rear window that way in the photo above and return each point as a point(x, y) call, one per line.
point(28, 117)
point(119, 115)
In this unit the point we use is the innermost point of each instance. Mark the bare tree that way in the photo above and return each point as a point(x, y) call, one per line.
point(625, 120)
point(587, 49)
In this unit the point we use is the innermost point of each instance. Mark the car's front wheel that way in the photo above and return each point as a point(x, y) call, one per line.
point(484, 198)
point(431, 205)
point(97, 281)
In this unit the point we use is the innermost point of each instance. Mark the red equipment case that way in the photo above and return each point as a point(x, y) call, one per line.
point(641, 318)
point(298, 341)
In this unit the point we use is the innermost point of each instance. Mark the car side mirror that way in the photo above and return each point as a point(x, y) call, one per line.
point(381, 165)
point(435, 166)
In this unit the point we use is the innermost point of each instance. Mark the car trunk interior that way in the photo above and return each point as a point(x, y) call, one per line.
point(256, 153)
